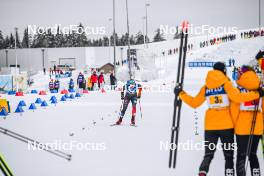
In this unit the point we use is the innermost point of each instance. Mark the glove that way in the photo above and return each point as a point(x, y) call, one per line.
point(122, 96)
point(177, 90)
point(261, 92)
point(139, 96)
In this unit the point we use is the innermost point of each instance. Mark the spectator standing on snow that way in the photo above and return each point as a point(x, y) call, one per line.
point(51, 85)
point(54, 68)
point(71, 84)
point(84, 84)
point(89, 83)
point(94, 79)
point(101, 80)
point(80, 80)
point(230, 62)
point(243, 114)
point(44, 71)
point(50, 72)
point(112, 81)
point(233, 62)
point(57, 85)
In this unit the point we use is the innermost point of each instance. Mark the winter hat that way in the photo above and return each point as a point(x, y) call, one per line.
point(260, 55)
point(244, 69)
point(220, 66)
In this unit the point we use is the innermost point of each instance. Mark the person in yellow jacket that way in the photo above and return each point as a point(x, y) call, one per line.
point(89, 83)
point(242, 114)
point(218, 91)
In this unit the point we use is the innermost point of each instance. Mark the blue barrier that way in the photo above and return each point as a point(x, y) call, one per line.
point(53, 98)
point(54, 101)
point(77, 95)
point(22, 103)
point(11, 92)
point(72, 96)
point(71, 90)
point(32, 106)
point(44, 104)
point(53, 91)
point(3, 112)
point(34, 91)
point(19, 109)
point(66, 96)
point(38, 101)
point(63, 98)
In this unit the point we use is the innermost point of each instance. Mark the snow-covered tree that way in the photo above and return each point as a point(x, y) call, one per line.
point(158, 36)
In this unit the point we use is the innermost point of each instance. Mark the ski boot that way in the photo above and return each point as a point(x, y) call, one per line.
point(119, 121)
point(202, 173)
point(133, 121)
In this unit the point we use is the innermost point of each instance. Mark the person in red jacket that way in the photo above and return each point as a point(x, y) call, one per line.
point(101, 80)
point(94, 79)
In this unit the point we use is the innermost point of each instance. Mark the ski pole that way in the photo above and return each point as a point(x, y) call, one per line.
point(31, 141)
point(4, 167)
point(121, 107)
point(250, 140)
point(140, 108)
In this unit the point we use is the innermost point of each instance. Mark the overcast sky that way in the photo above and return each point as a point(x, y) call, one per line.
point(95, 13)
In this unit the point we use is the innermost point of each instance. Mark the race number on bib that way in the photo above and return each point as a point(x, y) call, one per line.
point(217, 98)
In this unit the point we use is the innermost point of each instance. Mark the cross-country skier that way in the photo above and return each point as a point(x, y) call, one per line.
point(131, 92)
point(242, 114)
point(218, 91)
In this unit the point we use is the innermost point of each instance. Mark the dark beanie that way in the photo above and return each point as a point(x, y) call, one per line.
point(260, 55)
point(220, 66)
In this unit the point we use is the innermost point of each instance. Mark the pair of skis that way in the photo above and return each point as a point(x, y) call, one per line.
point(140, 109)
point(31, 141)
point(4, 167)
point(122, 125)
point(177, 102)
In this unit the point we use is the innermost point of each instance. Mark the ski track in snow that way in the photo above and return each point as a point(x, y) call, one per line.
point(129, 151)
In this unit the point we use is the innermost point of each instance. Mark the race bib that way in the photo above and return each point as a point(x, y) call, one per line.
point(250, 105)
point(217, 98)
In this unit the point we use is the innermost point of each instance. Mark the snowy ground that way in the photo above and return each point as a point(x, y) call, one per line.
point(128, 150)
